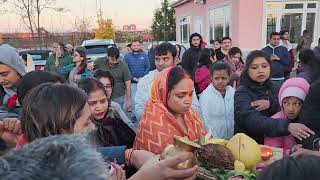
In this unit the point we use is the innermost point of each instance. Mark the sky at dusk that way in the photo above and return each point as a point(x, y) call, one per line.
point(122, 12)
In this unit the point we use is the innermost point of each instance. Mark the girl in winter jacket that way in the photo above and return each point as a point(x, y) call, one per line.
point(202, 77)
point(291, 97)
point(216, 102)
point(234, 60)
point(256, 100)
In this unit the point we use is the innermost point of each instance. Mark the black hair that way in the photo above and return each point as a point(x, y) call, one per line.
point(179, 47)
point(218, 40)
point(204, 58)
point(234, 50)
point(274, 34)
point(175, 76)
point(226, 38)
point(319, 41)
point(100, 73)
point(33, 79)
point(62, 46)
point(220, 66)
point(305, 32)
point(282, 32)
point(113, 52)
point(24, 57)
point(211, 41)
point(129, 45)
point(307, 56)
point(84, 62)
point(304, 167)
point(164, 48)
point(195, 35)
point(90, 85)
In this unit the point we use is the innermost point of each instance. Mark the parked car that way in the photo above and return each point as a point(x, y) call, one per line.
point(39, 57)
point(97, 48)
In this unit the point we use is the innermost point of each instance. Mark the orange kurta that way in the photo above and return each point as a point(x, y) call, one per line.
point(158, 126)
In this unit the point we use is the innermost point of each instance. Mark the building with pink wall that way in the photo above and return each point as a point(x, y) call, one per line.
point(247, 22)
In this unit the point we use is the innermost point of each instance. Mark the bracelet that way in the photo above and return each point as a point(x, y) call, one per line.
point(315, 144)
point(128, 155)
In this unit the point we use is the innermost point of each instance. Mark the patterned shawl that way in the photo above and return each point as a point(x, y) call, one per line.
point(158, 126)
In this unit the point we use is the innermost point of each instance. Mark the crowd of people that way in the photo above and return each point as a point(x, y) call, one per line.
point(111, 119)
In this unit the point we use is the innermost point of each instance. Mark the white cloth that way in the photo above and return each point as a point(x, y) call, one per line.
point(288, 45)
point(30, 65)
point(143, 94)
point(218, 111)
point(122, 115)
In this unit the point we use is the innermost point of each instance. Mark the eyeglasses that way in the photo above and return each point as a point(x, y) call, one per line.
point(108, 87)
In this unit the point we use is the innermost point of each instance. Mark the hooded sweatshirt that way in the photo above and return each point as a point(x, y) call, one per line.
point(278, 67)
point(294, 87)
point(10, 57)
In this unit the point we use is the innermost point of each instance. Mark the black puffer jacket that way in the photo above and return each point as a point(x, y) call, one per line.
point(252, 122)
point(190, 60)
point(310, 114)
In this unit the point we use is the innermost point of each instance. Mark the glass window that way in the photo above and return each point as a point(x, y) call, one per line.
point(312, 5)
point(184, 29)
point(310, 23)
point(293, 23)
point(219, 22)
point(271, 25)
point(293, 6)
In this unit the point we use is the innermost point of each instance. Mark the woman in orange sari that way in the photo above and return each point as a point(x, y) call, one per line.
point(168, 112)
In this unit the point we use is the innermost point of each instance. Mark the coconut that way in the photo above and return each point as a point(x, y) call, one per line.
point(215, 155)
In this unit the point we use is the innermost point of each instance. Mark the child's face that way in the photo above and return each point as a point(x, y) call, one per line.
point(291, 107)
point(220, 80)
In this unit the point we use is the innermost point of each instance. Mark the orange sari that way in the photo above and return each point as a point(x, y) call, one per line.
point(158, 126)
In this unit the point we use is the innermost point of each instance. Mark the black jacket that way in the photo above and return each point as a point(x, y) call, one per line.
point(258, 124)
point(310, 114)
point(190, 60)
point(219, 54)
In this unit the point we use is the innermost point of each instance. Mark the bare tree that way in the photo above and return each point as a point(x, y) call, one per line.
point(30, 11)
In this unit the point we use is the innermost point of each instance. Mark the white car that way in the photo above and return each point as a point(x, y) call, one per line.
point(97, 48)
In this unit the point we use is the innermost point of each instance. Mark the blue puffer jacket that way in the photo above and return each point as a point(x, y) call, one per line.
point(278, 67)
point(138, 63)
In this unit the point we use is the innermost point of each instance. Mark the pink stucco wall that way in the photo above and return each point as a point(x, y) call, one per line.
point(246, 20)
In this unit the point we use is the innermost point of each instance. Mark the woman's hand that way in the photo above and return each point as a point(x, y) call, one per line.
point(261, 105)
point(299, 131)
point(10, 130)
point(140, 157)
point(164, 169)
point(301, 152)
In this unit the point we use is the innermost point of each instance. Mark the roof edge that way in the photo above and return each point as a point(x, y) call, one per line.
point(178, 3)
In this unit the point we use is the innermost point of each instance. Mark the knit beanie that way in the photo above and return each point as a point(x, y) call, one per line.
point(10, 57)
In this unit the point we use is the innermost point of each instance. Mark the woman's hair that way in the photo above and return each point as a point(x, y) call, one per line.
point(90, 85)
point(84, 63)
point(234, 50)
point(100, 73)
point(176, 74)
point(307, 56)
point(179, 47)
point(305, 167)
point(205, 54)
point(252, 56)
point(220, 66)
point(51, 109)
point(33, 79)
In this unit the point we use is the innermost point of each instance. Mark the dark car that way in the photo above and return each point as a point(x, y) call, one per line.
point(39, 57)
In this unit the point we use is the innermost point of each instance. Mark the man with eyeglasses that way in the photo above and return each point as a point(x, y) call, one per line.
point(226, 44)
point(279, 56)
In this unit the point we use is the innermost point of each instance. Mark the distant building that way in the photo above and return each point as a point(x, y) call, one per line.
point(126, 28)
point(247, 22)
point(131, 27)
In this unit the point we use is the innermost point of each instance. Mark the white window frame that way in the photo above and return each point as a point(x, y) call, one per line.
point(196, 20)
point(188, 23)
point(279, 12)
point(210, 11)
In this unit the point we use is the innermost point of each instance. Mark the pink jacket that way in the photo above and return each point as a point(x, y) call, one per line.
point(297, 87)
point(202, 78)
